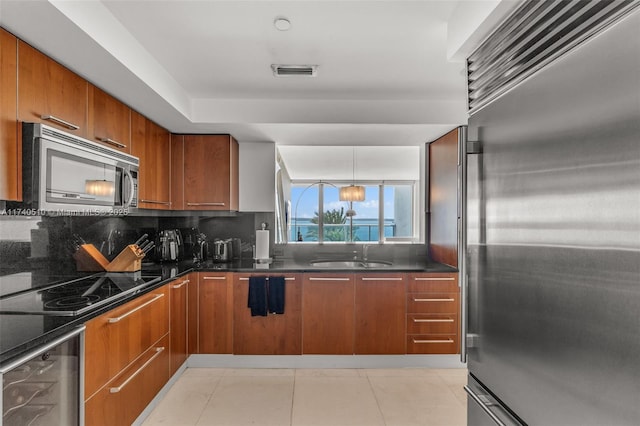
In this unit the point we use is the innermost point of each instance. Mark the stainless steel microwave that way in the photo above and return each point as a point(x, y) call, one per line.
point(66, 174)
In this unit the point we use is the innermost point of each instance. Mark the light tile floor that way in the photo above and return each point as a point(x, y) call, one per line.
point(310, 397)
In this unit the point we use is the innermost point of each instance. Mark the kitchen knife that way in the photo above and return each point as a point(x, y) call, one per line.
point(145, 245)
point(148, 247)
point(141, 239)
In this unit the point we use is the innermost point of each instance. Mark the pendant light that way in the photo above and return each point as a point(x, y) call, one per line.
point(100, 187)
point(352, 192)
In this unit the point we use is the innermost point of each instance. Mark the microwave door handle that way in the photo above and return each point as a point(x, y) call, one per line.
point(131, 188)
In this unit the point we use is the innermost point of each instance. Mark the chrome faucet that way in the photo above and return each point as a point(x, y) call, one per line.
point(365, 252)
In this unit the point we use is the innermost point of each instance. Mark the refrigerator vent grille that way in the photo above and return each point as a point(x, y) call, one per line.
point(535, 34)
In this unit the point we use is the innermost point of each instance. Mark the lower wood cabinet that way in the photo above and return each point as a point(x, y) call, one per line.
point(275, 334)
point(122, 400)
point(215, 313)
point(433, 305)
point(179, 323)
point(380, 313)
point(127, 358)
point(328, 314)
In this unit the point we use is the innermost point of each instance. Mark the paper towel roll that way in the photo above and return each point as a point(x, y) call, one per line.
point(262, 244)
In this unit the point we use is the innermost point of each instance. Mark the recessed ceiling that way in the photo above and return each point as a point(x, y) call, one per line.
point(389, 72)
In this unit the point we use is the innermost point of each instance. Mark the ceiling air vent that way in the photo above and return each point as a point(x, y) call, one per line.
point(534, 35)
point(294, 70)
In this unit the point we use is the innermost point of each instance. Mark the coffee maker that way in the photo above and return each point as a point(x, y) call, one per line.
point(169, 245)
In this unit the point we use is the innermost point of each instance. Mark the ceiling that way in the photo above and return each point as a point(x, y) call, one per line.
point(389, 72)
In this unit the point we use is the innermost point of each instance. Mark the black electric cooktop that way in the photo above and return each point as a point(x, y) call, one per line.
point(78, 296)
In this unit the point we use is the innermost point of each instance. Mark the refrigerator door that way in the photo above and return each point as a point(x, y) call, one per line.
point(554, 243)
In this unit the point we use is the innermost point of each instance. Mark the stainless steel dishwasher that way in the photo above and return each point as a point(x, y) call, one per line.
point(45, 386)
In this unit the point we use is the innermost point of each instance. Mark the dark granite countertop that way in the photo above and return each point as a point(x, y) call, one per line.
point(20, 333)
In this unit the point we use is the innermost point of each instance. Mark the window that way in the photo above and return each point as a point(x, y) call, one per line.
point(387, 214)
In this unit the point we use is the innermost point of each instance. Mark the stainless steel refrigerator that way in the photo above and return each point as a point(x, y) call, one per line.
point(553, 239)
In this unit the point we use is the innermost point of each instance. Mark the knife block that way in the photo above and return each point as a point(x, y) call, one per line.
point(89, 259)
point(129, 260)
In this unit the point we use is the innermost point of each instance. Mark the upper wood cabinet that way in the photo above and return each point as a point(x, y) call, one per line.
point(151, 143)
point(380, 313)
point(109, 120)
point(10, 146)
point(50, 93)
point(278, 334)
point(210, 175)
point(328, 314)
point(177, 172)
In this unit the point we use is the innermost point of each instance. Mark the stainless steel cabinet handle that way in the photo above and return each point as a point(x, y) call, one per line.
point(432, 340)
point(434, 279)
point(479, 400)
point(433, 320)
point(138, 371)
point(214, 278)
point(60, 121)
point(181, 284)
point(433, 300)
point(329, 279)
point(205, 204)
point(286, 278)
point(123, 316)
point(167, 203)
point(382, 279)
point(112, 142)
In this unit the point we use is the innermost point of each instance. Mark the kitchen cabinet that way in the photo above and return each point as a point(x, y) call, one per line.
point(179, 321)
point(177, 172)
point(192, 314)
point(50, 93)
point(215, 313)
point(433, 314)
point(275, 334)
point(10, 148)
point(109, 120)
point(210, 174)
point(380, 313)
point(127, 358)
point(257, 177)
point(328, 313)
point(152, 145)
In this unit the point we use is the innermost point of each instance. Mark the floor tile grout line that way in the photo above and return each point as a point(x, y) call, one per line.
point(204, 406)
point(373, 391)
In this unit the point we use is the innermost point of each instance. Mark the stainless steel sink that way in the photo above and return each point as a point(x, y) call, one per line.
point(342, 264)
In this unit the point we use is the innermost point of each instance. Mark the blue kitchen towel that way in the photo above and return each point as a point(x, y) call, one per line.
point(257, 299)
point(276, 295)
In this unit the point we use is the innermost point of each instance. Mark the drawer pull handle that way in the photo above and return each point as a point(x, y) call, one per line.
point(123, 316)
point(434, 300)
point(117, 389)
point(434, 279)
point(214, 278)
point(433, 341)
point(286, 278)
point(166, 203)
point(181, 284)
point(433, 320)
point(206, 204)
point(329, 279)
point(382, 279)
point(60, 121)
point(112, 142)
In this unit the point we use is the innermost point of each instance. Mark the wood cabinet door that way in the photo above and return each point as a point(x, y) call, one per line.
point(210, 172)
point(151, 144)
point(192, 314)
point(328, 314)
point(115, 339)
point(380, 313)
point(10, 146)
point(215, 313)
point(179, 307)
point(109, 120)
point(177, 172)
point(275, 334)
point(47, 89)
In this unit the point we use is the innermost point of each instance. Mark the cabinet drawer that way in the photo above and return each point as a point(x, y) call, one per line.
point(432, 324)
point(441, 282)
point(124, 398)
point(432, 344)
point(436, 303)
point(115, 339)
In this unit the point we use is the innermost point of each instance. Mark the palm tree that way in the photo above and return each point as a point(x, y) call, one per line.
point(334, 216)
